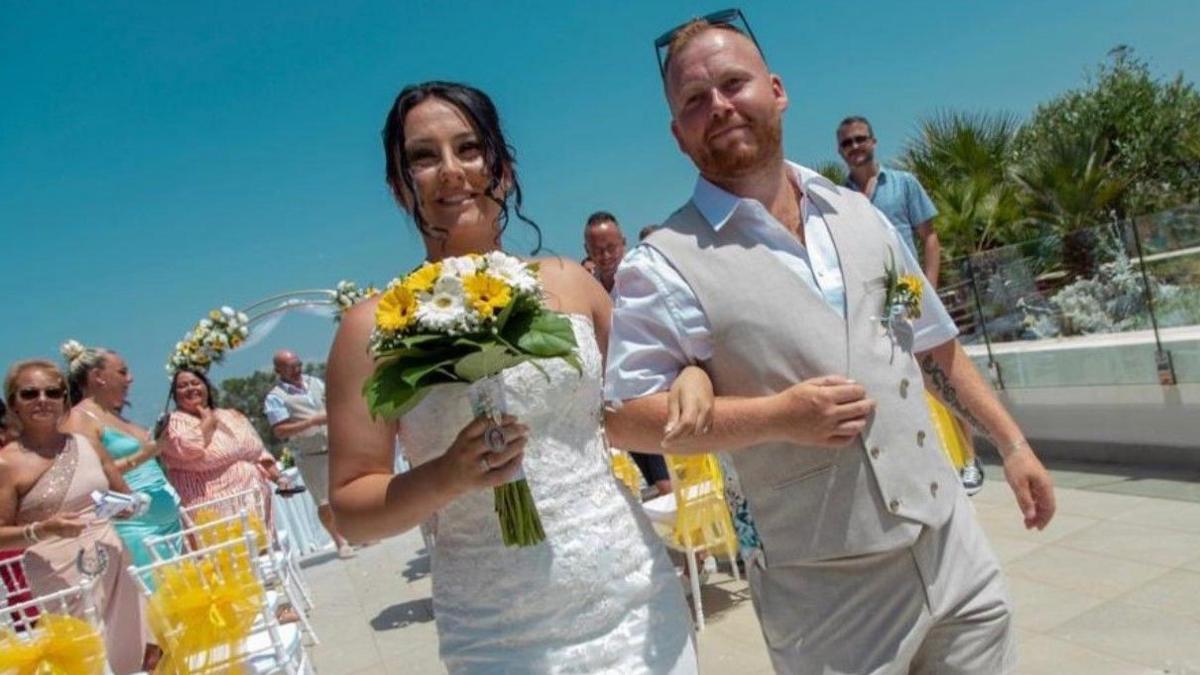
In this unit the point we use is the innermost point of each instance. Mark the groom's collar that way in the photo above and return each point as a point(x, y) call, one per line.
point(718, 206)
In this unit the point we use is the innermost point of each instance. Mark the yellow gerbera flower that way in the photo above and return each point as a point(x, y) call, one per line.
point(487, 294)
point(423, 279)
point(912, 283)
point(396, 309)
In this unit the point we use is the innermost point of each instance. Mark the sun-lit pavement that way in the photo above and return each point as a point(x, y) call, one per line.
point(1113, 586)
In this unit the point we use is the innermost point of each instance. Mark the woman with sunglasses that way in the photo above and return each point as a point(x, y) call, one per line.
point(46, 481)
point(599, 594)
point(99, 382)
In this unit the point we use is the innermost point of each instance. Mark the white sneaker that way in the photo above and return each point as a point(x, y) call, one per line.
point(346, 551)
point(709, 568)
point(972, 477)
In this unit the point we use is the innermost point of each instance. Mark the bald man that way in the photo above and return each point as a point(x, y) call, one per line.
point(295, 407)
point(605, 246)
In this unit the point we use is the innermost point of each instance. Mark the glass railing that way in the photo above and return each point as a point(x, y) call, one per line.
point(1117, 303)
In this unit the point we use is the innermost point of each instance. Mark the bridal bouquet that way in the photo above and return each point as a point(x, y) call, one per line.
point(465, 319)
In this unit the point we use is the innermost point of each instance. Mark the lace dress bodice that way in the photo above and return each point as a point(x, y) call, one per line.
point(598, 589)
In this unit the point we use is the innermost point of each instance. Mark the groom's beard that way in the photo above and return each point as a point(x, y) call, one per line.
point(742, 158)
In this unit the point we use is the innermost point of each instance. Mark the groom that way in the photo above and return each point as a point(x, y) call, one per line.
point(775, 279)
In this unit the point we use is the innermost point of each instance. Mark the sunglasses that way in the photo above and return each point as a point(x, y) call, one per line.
point(849, 141)
point(33, 393)
point(725, 17)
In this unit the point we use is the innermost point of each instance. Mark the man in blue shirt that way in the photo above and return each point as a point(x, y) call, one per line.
point(899, 195)
point(896, 193)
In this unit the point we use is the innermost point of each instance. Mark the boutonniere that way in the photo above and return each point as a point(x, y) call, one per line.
point(903, 295)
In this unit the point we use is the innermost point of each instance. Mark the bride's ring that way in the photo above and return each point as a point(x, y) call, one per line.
point(494, 439)
point(484, 464)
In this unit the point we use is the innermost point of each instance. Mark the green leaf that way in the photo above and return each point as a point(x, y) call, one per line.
point(548, 334)
point(387, 395)
point(413, 371)
point(489, 360)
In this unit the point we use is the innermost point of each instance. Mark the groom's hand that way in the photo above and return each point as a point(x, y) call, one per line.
point(1031, 485)
point(826, 411)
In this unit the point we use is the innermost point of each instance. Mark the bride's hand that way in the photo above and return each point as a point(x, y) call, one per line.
point(470, 465)
point(689, 405)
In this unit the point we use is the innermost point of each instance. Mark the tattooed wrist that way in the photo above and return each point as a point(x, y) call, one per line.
point(940, 381)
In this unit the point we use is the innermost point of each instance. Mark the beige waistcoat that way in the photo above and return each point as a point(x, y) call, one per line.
point(771, 330)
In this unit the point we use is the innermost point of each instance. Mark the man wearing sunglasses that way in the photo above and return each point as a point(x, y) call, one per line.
point(899, 195)
point(777, 282)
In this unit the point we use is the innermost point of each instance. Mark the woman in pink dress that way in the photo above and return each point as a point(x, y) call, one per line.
point(212, 452)
point(46, 481)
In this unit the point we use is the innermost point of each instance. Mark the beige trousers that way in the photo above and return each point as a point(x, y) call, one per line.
point(939, 606)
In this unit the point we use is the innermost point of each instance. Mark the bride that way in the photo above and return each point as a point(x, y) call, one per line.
point(599, 594)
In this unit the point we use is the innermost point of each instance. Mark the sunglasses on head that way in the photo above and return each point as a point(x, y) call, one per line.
point(853, 140)
point(725, 17)
point(33, 393)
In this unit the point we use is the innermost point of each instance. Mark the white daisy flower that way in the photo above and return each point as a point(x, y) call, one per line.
point(512, 271)
point(442, 310)
point(459, 267)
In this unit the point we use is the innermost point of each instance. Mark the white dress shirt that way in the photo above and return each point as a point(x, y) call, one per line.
point(659, 328)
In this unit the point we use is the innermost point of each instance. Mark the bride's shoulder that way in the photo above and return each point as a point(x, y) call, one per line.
point(560, 270)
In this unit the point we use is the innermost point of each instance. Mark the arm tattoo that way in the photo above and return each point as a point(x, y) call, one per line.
point(941, 383)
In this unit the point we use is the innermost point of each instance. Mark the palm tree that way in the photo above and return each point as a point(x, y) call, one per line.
point(1067, 183)
point(962, 161)
point(834, 171)
point(954, 146)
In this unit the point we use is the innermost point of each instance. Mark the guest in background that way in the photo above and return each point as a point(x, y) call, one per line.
point(899, 196)
point(605, 245)
point(212, 452)
point(46, 481)
point(99, 382)
point(295, 407)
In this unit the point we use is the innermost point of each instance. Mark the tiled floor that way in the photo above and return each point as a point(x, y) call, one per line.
point(1112, 586)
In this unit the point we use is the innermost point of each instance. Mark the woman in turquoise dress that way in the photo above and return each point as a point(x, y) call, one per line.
point(99, 380)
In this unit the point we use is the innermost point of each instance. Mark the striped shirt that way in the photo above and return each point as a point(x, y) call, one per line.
point(230, 463)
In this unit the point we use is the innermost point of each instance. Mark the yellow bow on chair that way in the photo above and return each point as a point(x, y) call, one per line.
point(203, 611)
point(702, 516)
point(627, 472)
point(230, 530)
point(61, 645)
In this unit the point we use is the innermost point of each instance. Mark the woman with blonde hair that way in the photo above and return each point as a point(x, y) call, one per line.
point(99, 382)
point(46, 481)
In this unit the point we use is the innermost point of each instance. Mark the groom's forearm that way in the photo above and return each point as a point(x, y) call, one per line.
point(736, 423)
point(953, 378)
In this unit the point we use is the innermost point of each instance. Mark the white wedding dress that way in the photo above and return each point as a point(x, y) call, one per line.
point(599, 595)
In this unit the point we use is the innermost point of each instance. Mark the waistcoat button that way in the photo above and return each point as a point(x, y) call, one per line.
point(875, 452)
point(933, 487)
point(904, 388)
point(921, 438)
point(894, 506)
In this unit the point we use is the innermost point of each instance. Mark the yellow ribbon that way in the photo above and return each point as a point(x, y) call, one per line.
point(627, 472)
point(230, 530)
point(60, 645)
point(701, 516)
point(204, 610)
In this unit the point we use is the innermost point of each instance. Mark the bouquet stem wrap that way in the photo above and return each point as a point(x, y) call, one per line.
point(520, 524)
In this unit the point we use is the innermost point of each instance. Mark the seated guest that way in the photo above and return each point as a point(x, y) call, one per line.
point(99, 382)
point(212, 452)
point(46, 481)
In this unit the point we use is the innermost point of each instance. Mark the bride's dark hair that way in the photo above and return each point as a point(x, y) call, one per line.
point(499, 156)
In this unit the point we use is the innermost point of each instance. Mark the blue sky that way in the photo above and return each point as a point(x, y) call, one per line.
point(160, 159)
